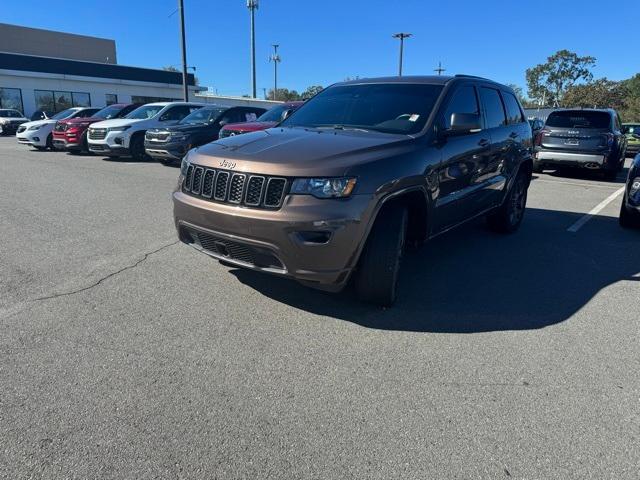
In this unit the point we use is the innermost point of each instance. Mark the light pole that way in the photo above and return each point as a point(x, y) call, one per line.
point(275, 58)
point(252, 5)
point(401, 36)
point(185, 78)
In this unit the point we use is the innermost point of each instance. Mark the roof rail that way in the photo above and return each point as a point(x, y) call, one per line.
point(462, 75)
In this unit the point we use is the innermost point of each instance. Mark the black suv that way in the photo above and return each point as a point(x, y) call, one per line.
point(586, 138)
point(198, 128)
point(362, 169)
point(630, 209)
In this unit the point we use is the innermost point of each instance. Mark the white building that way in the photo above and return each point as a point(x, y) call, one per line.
point(52, 71)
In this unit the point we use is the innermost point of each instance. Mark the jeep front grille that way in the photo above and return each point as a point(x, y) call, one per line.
point(244, 189)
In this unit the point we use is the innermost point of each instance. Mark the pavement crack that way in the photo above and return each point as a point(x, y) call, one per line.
point(106, 277)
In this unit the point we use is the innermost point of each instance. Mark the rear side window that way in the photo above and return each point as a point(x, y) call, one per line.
point(493, 107)
point(579, 119)
point(514, 114)
point(464, 100)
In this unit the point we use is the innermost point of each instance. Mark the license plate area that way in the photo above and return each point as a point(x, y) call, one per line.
point(572, 141)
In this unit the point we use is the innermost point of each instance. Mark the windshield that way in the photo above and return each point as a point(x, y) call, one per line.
point(579, 119)
point(10, 113)
point(144, 112)
point(274, 114)
point(385, 107)
point(64, 114)
point(108, 112)
point(202, 115)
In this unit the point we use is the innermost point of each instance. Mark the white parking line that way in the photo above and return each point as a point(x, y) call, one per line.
point(584, 219)
point(577, 184)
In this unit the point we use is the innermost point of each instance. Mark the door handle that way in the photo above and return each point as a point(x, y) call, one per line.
point(484, 142)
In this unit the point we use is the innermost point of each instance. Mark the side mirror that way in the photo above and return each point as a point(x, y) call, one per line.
point(464, 123)
point(286, 114)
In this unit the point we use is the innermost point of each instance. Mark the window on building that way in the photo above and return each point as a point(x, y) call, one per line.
point(143, 99)
point(81, 99)
point(11, 98)
point(110, 98)
point(50, 101)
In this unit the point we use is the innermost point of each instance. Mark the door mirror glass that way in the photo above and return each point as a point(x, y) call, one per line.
point(464, 123)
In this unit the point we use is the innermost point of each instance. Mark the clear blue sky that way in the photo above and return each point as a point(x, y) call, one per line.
point(324, 41)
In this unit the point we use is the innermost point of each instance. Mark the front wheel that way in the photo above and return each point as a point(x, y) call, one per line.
point(508, 217)
point(136, 148)
point(50, 142)
point(376, 279)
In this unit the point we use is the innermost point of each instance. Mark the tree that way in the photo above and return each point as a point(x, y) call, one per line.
point(631, 112)
point(284, 95)
point(602, 93)
point(548, 82)
point(311, 91)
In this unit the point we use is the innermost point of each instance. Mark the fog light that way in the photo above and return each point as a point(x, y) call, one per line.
point(118, 140)
point(36, 139)
point(316, 237)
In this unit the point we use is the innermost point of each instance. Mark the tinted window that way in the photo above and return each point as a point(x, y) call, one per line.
point(579, 119)
point(203, 115)
point(111, 98)
point(274, 114)
point(493, 107)
point(63, 114)
point(108, 113)
point(11, 98)
point(385, 107)
point(514, 114)
point(87, 113)
point(464, 100)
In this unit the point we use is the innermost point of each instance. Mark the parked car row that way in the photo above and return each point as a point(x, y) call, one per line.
point(163, 130)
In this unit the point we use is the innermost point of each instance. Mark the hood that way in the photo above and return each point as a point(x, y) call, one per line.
point(186, 128)
point(116, 122)
point(75, 121)
point(301, 152)
point(39, 123)
point(13, 119)
point(249, 126)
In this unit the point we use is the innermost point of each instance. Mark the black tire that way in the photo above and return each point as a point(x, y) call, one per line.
point(537, 168)
point(50, 142)
point(376, 279)
point(611, 174)
point(40, 149)
point(628, 218)
point(136, 148)
point(508, 217)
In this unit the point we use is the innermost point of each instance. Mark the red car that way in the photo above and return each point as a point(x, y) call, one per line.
point(268, 119)
point(71, 134)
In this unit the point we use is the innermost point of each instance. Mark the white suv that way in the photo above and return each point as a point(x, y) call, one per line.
point(125, 136)
point(39, 134)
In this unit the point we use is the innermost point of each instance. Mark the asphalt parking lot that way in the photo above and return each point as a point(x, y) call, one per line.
point(124, 354)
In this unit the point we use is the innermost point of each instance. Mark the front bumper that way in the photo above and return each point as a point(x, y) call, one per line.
point(36, 138)
point(166, 151)
point(633, 149)
point(109, 151)
point(289, 235)
point(573, 159)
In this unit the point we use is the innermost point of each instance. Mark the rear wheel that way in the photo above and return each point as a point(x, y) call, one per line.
point(508, 217)
point(629, 218)
point(376, 279)
point(537, 168)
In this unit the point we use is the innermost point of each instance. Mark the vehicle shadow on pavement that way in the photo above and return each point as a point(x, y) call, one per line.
point(472, 280)
point(583, 174)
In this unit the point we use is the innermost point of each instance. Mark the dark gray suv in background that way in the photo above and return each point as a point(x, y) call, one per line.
point(338, 189)
point(585, 138)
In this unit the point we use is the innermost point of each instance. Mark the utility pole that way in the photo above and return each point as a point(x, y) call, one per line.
point(275, 58)
point(264, 93)
point(252, 5)
point(401, 36)
point(439, 70)
point(185, 78)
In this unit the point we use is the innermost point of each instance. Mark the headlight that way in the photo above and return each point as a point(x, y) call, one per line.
point(3, 121)
point(185, 164)
point(324, 187)
point(120, 129)
point(35, 127)
point(178, 136)
point(635, 186)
